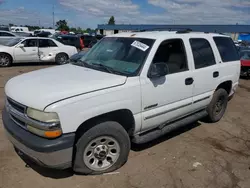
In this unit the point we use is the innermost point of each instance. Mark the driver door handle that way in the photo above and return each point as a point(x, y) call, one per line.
point(189, 81)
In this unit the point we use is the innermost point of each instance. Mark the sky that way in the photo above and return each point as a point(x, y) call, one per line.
point(89, 13)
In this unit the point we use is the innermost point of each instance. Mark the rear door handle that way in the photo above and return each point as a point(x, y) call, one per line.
point(216, 74)
point(189, 81)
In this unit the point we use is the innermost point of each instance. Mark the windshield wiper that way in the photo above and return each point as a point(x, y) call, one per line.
point(107, 68)
point(80, 63)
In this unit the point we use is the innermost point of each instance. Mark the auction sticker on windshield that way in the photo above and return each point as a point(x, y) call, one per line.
point(140, 45)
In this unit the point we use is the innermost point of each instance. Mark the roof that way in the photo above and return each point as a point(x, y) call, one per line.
point(204, 28)
point(162, 34)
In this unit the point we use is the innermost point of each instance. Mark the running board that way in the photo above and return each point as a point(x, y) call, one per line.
point(156, 133)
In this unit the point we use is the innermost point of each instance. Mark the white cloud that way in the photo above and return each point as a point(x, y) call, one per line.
point(21, 16)
point(204, 12)
point(89, 13)
point(175, 11)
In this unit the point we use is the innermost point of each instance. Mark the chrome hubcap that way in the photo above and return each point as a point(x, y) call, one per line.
point(4, 60)
point(101, 153)
point(62, 59)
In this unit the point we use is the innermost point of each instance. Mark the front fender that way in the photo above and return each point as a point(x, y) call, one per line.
point(75, 111)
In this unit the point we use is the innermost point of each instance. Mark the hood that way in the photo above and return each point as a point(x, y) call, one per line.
point(40, 88)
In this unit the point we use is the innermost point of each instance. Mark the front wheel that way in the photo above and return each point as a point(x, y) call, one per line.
point(217, 106)
point(101, 149)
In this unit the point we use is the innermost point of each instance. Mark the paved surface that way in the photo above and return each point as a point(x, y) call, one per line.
point(202, 155)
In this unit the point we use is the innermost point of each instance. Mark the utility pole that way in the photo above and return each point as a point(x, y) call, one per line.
point(53, 17)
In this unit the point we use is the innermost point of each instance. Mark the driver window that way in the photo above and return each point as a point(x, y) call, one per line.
point(30, 43)
point(172, 52)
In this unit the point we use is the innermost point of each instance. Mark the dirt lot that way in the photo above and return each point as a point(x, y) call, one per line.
point(202, 155)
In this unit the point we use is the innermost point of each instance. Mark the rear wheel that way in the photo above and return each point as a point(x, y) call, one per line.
point(218, 105)
point(5, 60)
point(101, 149)
point(61, 58)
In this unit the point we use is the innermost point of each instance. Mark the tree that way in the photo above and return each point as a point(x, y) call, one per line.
point(88, 30)
point(62, 25)
point(111, 20)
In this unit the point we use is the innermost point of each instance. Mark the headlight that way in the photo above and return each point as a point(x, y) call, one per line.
point(47, 117)
point(45, 124)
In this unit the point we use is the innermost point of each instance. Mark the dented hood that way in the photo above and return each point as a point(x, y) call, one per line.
point(40, 88)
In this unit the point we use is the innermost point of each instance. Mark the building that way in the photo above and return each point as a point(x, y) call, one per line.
point(232, 30)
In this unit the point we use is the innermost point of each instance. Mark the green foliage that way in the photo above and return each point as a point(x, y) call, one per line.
point(111, 20)
point(62, 25)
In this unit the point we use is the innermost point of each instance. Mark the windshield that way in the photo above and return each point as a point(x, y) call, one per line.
point(13, 41)
point(118, 55)
point(245, 55)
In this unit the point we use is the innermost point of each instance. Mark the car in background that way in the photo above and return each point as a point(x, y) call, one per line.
point(43, 34)
point(72, 40)
point(5, 36)
point(34, 49)
point(245, 62)
point(88, 40)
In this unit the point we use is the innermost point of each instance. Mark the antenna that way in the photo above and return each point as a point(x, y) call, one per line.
point(53, 17)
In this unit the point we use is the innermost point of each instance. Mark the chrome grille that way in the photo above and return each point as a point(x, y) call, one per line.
point(19, 107)
point(16, 110)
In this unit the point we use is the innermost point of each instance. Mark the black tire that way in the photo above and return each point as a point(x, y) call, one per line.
point(110, 129)
point(215, 113)
point(5, 60)
point(61, 58)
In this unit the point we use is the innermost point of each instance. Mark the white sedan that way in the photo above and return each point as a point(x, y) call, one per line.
point(34, 49)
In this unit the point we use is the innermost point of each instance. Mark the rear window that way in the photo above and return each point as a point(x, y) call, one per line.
point(227, 49)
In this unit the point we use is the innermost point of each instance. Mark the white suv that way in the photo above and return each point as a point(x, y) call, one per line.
point(130, 87)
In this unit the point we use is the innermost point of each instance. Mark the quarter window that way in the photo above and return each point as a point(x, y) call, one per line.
point(227, 49)
point(202, 53)
point(172, 52)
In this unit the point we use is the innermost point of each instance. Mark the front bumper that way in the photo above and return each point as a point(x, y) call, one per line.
point(53, 153)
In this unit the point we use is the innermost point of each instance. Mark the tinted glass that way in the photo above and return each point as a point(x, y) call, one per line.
point(227, 49)
point(45, 43)
point(173, 54)
point(202, 53)
point(30, 43)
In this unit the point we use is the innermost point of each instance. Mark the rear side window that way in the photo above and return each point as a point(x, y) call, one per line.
point(227, 49)
point(45, 43)
point(202, 53)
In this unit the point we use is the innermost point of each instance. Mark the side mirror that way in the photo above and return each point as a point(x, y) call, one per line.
point(20, 46)
point(158, 70)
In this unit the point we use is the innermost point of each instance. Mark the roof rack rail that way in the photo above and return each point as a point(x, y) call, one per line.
point(164, 29)
point(184, 31)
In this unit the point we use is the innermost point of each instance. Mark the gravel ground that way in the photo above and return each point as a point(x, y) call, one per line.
point(201, 155)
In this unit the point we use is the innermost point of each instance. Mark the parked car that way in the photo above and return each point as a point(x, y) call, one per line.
point(88, 40)
point(5, 36)
point(43, 34)
point(245, 62)
point(22, 34)
point(72, 40)
point(34, 49)
point(131, 87)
